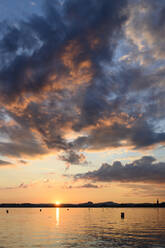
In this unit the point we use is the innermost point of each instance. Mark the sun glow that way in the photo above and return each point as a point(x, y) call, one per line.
point(57, 203)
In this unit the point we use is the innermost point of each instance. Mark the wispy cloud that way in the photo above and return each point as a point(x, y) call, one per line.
point(83, 186)
point(144, 190)
point(5, 163)
point(20, 186)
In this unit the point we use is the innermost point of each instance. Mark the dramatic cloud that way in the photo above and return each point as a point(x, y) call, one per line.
point(88, 76)
point(146, 29)
point(145, 169)
point(67, 42)
point(20, 150)
point(73, 158)
point(42, 73)
point(137, 134)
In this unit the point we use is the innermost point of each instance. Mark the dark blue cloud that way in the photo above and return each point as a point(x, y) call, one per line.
point(145, 170)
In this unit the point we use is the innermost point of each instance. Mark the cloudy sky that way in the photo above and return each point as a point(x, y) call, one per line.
point(82, 96)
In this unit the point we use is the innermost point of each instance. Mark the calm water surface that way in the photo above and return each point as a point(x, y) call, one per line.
point(82, 228)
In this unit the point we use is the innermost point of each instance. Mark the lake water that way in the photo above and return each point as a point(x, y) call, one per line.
point(82, 228)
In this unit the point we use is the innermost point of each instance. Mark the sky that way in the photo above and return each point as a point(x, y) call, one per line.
point(82, 96)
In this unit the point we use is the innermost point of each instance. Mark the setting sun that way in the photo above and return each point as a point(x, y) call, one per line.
point(57, 203)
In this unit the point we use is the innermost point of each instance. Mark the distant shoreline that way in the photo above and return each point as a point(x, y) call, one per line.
point(84, 205)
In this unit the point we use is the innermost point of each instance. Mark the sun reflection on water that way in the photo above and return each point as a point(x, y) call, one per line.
point(57, 216)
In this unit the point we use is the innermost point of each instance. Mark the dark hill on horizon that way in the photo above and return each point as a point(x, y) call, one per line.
point(80, 205)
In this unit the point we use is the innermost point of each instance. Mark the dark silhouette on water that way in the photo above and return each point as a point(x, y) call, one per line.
point(122, 215)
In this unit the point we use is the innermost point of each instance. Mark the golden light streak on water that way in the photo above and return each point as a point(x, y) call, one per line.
point(57, 216)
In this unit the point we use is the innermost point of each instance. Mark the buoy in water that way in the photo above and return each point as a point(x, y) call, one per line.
point(40, 210)
point(7, 211)
point(122, 215)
